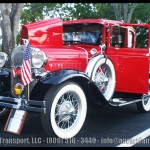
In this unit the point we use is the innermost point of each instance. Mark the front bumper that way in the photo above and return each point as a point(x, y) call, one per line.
point(23, 104)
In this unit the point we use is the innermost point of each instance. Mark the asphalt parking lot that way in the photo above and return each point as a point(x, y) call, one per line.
point(104, 127)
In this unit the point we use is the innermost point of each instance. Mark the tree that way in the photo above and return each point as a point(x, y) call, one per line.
point(141, 13)
point(124, 11)
point(66, 11)
point(37, 11)
point(105, 10)
point(10, 16)
point(79, 11)
point(87, 10)
point(33, 12)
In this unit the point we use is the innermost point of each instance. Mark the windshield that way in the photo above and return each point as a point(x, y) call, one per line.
point(90, 33)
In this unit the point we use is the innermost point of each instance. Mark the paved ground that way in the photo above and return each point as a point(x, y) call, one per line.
point(104, 127)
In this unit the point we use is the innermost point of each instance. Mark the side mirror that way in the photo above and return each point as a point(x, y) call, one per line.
point(103, 48)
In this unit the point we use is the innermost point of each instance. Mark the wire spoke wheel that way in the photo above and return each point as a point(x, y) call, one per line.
point(66, 109)
point(102, 78)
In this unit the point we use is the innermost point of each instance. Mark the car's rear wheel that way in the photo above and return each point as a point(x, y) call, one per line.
point(66, 109)
point(144, 105)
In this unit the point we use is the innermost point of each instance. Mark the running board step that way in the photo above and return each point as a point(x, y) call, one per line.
point(123, 101)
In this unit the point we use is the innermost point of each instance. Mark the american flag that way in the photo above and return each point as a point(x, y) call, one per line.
point(26, 67)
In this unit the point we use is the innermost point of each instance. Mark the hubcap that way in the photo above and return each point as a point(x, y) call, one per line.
point(67, 109)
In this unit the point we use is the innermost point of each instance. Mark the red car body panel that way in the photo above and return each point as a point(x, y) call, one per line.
point(46, 32)
point(66, 58)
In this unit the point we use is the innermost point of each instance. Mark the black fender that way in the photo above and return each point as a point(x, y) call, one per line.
point(5, 81)
point(56, 78)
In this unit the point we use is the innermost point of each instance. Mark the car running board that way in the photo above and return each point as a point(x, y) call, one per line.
point(123, 101)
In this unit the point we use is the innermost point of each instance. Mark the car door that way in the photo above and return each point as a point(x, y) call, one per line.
point(129, 52)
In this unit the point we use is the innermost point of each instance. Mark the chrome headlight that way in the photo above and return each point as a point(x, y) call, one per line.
point(39, 58)
point(3, 59)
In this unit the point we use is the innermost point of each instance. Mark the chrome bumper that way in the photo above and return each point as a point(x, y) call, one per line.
point(23, 104)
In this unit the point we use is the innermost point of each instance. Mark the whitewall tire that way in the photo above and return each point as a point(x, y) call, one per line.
point(144, 105)
point(66, 109)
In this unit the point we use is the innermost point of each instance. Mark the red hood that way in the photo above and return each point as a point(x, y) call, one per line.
point(46, 32)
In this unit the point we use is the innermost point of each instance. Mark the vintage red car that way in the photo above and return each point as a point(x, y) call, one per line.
point(75, 63)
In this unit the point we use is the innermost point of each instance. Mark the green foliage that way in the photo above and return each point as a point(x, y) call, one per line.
point(141, 37)
point(141, 13)
point(67, 11)
point(81, 11)
point(32, 12)
point(36, 11)
point(105, 10)
point(88, 10)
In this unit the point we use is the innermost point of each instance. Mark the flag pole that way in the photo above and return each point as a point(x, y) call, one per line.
point(29, 84)
point(28, 92)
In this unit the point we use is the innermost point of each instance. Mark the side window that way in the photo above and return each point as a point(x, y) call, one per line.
point(141, 37)
point(118, 37)
point(129, 36)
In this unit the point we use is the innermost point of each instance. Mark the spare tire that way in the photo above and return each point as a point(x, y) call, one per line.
point(103, 75)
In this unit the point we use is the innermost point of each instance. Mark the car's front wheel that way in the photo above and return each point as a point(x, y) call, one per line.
point(66, 109)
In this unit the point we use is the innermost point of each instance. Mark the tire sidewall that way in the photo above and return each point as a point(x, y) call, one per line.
point(147, 106)
point(142, 107)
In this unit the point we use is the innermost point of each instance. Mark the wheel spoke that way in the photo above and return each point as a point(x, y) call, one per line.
point(63, 124)
point(68, 123)
point(68, 96)
point(59, 121)
point(102, 78)
point(66, 110)
point(76, 105)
